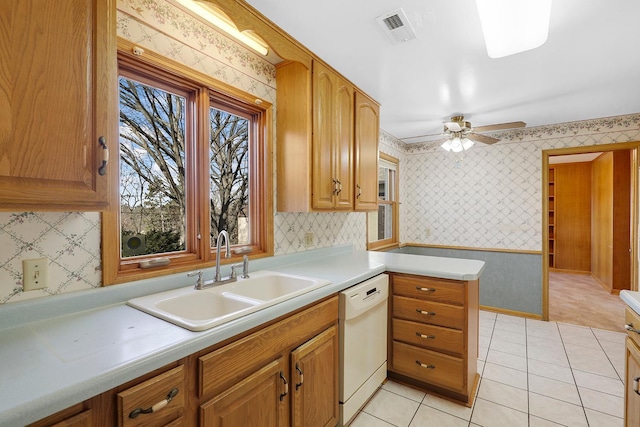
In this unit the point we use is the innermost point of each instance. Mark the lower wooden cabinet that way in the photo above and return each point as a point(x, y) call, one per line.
point(154, 402)
point(288, 370)
point(258, 400)
point(284, 373)
point(632, 390)
point(632, 370)
point(433, 335)
point(314, 372)
point(83, 419)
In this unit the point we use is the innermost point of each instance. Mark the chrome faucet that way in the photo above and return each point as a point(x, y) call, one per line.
point(217, 279)
point(222, 234)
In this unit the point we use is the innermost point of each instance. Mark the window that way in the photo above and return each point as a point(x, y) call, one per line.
point(194, 160)
point(382, 226)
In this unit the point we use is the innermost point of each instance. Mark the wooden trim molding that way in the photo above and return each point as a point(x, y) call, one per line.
point(468, 248)
point(545, 208)
point(511, 312)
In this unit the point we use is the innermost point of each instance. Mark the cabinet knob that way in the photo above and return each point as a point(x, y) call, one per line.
point(629, 327)
point(429, 366)
point(156, 407)
point(102, 170)
point(298, 385)
point(286, 386)
point(426, 337)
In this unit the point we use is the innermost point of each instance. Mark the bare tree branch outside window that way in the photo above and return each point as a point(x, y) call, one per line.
point(153, 175)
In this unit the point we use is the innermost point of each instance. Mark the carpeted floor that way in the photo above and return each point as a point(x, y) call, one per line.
point(578, 299)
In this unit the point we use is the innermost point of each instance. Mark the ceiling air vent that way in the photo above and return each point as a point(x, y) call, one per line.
point(397, 26)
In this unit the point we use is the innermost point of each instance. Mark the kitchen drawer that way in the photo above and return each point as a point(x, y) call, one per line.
point(153, 393)
point(429, 366)
point(429, 288)
point(429, 336)
point(632, 319)
point(434, 313)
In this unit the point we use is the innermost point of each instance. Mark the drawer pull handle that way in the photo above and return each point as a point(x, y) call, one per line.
point(425, 366)
point(635, 384)
point(298, 385)
point(629, 327)
point(286, 386)
point(426, 313)
point(427, 337)
point(156, 407)
point(420, 288)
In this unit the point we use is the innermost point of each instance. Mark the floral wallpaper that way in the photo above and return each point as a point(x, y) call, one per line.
point(487, 197)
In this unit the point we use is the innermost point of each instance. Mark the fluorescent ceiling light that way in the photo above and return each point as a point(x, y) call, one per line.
point(210, 14)
point(513, 26)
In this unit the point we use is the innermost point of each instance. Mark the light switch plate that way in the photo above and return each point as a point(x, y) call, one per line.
point(35, 273)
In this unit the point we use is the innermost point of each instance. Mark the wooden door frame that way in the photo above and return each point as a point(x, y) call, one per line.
point(633, 147)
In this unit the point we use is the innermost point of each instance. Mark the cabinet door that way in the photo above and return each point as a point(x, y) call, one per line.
point(314, 376)
point(366, 149)
point(632, 399)
point(259, 400)
point(57, 97)
point(323, 153)
point(344, 148)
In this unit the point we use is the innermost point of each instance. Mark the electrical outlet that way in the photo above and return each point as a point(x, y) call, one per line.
point(35, 273)
point(308, 240)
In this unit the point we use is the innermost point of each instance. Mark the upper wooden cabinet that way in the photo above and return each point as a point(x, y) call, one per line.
point(327, 141)
point(57, 94)
point(332, 140)
point(367, 125)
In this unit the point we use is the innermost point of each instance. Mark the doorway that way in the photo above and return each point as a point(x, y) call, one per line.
point(548, 230)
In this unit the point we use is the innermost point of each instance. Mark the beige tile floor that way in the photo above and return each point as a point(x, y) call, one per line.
point(533, 374)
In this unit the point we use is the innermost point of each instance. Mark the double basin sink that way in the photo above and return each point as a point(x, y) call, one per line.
point(198, 310)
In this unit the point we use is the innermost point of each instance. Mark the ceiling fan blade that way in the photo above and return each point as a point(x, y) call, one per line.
point(499, 126)
point(476, 137)
point(453, 126)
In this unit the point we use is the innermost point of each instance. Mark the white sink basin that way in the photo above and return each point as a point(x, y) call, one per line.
point(198, 310)
point(202, 306)
point(269, 285)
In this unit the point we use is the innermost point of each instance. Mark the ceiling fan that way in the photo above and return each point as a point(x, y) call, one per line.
point(460, 135)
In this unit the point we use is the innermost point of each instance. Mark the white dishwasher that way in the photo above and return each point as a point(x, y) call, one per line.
point(363, 343)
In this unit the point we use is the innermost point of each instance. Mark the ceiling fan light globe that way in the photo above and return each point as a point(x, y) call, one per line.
point(456, 145)
point(466, 143)
point(446, 145)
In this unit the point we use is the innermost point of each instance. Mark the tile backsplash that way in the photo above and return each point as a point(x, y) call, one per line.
point(69, 240)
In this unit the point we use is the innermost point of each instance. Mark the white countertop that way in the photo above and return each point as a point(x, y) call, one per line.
point(632, 298)
point(65, 349)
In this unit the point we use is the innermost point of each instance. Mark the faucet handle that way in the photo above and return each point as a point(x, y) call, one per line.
point(199, 282)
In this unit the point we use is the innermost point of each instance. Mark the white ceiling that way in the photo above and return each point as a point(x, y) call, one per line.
point(588, 68)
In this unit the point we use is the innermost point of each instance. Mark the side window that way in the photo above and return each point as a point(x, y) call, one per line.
point(383, 225)
point(194, 160)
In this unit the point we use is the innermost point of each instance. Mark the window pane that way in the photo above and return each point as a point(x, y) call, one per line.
point(386, 184)
point(385, 222)
point(152, 169)
point(229, 173)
